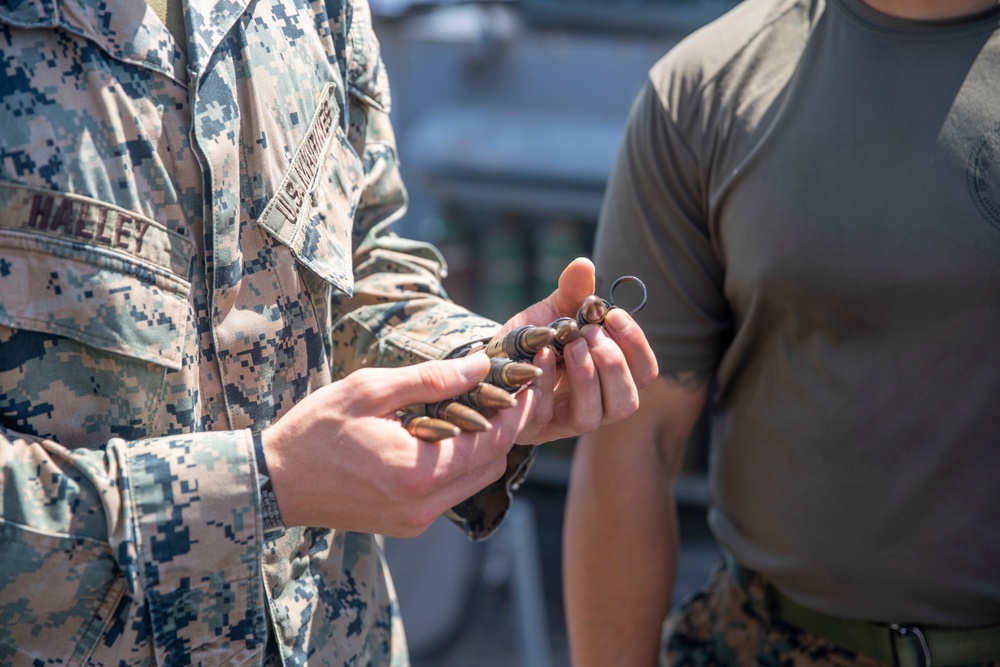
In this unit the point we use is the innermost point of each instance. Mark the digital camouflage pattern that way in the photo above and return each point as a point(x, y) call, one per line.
point(191, 241)
point(725, 624)
point(722, 624)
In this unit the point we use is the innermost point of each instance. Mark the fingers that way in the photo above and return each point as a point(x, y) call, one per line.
point(586, 404)
point(598, 380)
point(632, 341)
point(382, 390)
point(619, 394)
point(576, 283)
point(341, 458)
point(544, 387)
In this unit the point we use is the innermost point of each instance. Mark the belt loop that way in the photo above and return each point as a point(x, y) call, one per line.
point(918, 640)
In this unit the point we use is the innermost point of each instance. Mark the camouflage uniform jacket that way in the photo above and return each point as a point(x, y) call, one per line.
point(192, 240)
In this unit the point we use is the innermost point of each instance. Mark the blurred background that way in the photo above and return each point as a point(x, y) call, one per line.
point(508, 116)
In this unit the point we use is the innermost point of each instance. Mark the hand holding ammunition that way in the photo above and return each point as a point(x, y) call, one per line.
point(593, 373)
point(340, 458)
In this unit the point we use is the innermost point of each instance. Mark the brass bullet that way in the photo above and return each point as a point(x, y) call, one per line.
point(428, 428)
point(567, 330)
point(485, 395)
point(462, 416)
point(510, 375)
point(534, 339)
point(592, 311)
point(522, 343)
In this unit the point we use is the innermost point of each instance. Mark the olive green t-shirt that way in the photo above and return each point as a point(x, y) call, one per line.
point(811, 192)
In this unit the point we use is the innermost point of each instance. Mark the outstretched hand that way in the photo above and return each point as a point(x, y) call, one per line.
point(598, 379)
point(341, 458)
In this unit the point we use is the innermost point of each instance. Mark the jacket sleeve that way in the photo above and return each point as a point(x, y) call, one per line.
point(106, 529)
point(148, 531)
point(400, 313)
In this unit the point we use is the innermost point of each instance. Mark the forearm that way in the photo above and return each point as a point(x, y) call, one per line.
point(621, 537)
point(620, 552)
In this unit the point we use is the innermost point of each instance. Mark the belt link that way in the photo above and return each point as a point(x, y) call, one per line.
point(919, 640)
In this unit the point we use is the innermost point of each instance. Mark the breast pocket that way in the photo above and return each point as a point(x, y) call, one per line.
point(312, 210)
point(93, 314)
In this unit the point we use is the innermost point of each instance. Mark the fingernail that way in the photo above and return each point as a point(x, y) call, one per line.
point(578, 351)
point(619, 321)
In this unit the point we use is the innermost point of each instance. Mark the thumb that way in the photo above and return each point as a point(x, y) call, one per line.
point(433, 381)
point(576, 283)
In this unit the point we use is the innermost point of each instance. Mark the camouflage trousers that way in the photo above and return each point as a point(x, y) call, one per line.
point(725, 624)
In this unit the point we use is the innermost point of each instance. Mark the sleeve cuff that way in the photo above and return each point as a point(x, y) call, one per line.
point(196, 517)
point(480, 515)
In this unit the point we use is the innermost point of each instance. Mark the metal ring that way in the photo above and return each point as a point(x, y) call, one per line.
point(632, 279)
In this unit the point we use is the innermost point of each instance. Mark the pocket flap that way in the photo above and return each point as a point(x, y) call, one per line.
point(125, 298)
point(312, 211)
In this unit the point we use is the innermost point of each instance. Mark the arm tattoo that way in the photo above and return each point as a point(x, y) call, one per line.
point(688, 380)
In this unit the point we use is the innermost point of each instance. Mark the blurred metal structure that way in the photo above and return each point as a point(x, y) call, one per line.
point(436, 573)
point(435, 576)
point(636, 16)
point(498, 109)
point(515, 560)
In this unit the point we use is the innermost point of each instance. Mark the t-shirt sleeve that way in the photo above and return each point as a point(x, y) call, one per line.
point(653, 226)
